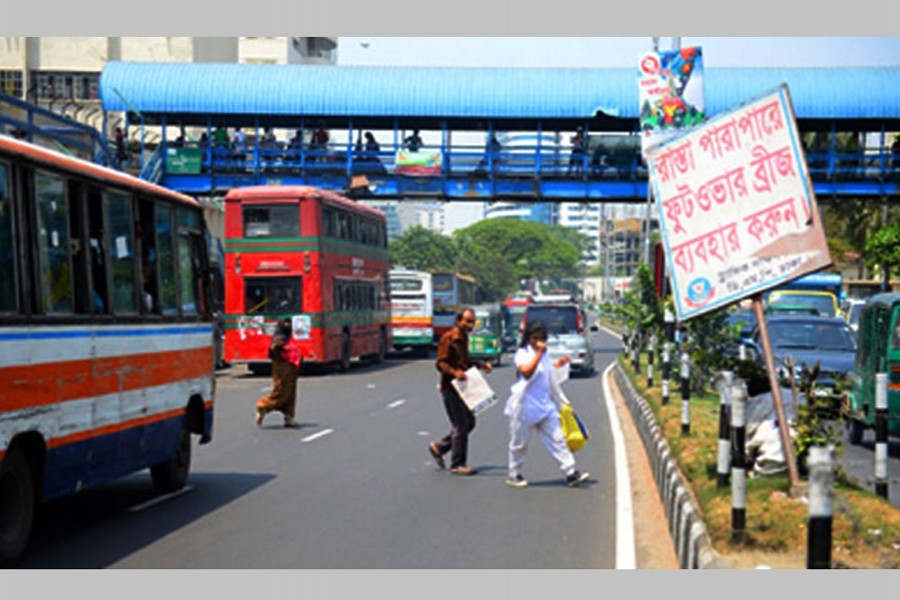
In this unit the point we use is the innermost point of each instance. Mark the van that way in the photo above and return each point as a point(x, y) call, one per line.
point(566, 333)
point(878, 352)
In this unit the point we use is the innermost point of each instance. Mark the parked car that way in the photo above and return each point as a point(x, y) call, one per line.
point(566, 333)
point(852, 308)
point(808, 339)
point(824, 302)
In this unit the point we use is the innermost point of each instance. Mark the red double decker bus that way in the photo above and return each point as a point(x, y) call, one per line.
point(312, 256)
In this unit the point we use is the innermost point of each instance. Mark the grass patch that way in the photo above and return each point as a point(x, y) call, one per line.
point(865, 528)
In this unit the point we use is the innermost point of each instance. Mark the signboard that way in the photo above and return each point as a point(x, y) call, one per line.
point(183, 160)
point(417, 163)
point(737, 209)
point(670, 92)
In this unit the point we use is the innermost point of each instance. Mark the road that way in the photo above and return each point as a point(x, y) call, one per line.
point(354, 487)
point(859, 463)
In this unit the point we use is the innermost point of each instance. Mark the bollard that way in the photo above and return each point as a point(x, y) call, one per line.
point(685, 393)
point(635, 355)
point(738, 467)
point(723, 464)
point(666, 370)
point(881, 437)
point(742, 352)
point(650, 352)
point(821, 480)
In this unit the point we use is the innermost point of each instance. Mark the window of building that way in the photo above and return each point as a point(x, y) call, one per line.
point(11, 83)
point(65, 84)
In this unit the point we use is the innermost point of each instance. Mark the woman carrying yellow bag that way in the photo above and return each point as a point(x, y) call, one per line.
point(534, 404)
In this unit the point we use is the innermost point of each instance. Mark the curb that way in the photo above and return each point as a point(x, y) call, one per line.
point(692, 544)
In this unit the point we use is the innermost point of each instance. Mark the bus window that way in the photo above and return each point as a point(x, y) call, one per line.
point(188, 274)
point(273, 295)
point(271, 221)
point(121, 252)
point(168, 294)
point(53, 227)
point(79, 253)
point(97, 250)
point(7, 254)
point(146, 241)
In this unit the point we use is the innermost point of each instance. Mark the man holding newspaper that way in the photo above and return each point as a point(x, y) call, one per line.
point(453, 362)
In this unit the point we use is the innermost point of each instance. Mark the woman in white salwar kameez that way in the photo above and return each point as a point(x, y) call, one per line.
point(534, 405)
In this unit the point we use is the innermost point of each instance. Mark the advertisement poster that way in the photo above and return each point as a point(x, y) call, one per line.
point(670, 91)
point(737, 210)
point(418, 163)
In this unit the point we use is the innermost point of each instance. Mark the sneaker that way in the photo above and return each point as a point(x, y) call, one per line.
point(463, 471)
point(575, 478)
point(517, 482)
point(432, 449)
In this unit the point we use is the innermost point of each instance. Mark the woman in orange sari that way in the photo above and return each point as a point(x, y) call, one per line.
point(285, 355)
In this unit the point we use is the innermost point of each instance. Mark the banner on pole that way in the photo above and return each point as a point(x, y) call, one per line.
point(670, 92)
point(736, 206)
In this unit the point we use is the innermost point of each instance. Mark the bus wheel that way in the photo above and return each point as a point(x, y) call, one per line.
point(16, 506)
point(344, 364)
point(171, 475)
point(855, 431)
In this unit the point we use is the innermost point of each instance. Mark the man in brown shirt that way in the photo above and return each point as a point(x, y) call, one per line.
point(452, 362)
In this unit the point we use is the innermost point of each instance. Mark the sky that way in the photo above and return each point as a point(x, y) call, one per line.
point(616, 52)
point(598, 52)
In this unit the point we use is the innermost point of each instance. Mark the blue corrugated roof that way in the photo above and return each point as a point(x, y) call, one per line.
point(524, 93)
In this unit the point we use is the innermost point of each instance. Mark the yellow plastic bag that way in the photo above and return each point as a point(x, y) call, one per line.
point(573, 429)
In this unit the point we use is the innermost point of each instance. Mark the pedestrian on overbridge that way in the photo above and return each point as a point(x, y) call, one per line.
point(534, 405)
point(453, 361)
point(285, 355)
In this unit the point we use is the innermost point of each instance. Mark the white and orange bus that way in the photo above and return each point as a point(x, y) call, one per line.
point(450, 292)
point(106, 335)
point(412, 310)
point(314, 257)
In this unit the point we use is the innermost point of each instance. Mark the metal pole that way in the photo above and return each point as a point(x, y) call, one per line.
point(821, 492)
point(685, 392)
point(783, 428)
point(724, 432)
point(881, 435)
point(666, 370)
point(650, 360)
point(738, 466)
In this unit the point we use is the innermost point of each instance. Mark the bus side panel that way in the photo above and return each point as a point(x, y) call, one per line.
point(98, 396)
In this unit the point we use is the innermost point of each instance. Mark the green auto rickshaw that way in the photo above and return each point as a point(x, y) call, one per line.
point(486, 339)
point(878, 352)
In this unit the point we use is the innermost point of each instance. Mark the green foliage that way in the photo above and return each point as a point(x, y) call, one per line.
point(883, 248)
point(531, 248)
point(424, 250)
point(812, 422)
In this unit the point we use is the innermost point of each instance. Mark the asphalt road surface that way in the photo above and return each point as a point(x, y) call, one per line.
point(354, 487)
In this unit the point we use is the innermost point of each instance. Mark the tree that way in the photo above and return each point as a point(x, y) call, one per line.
point(531, 248)
point(425, 250)
point(883, 248)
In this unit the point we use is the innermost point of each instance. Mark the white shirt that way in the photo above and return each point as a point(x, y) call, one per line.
point(537, 403)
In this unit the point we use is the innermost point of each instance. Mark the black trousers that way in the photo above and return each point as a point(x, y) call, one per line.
point(462, 421)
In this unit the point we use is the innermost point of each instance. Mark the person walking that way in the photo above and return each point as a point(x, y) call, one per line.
point(534, 405)
point(453, 362)
point(286, 359)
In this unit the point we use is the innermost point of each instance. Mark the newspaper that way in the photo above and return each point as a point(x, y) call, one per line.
point(475, 391)
point(560, 374)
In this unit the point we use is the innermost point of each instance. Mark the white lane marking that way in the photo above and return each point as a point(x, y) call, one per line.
point(316, 436)
point(422, 433)
point(610, 331)
point(625, 553)
point(399, 402)
point(159, 499)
